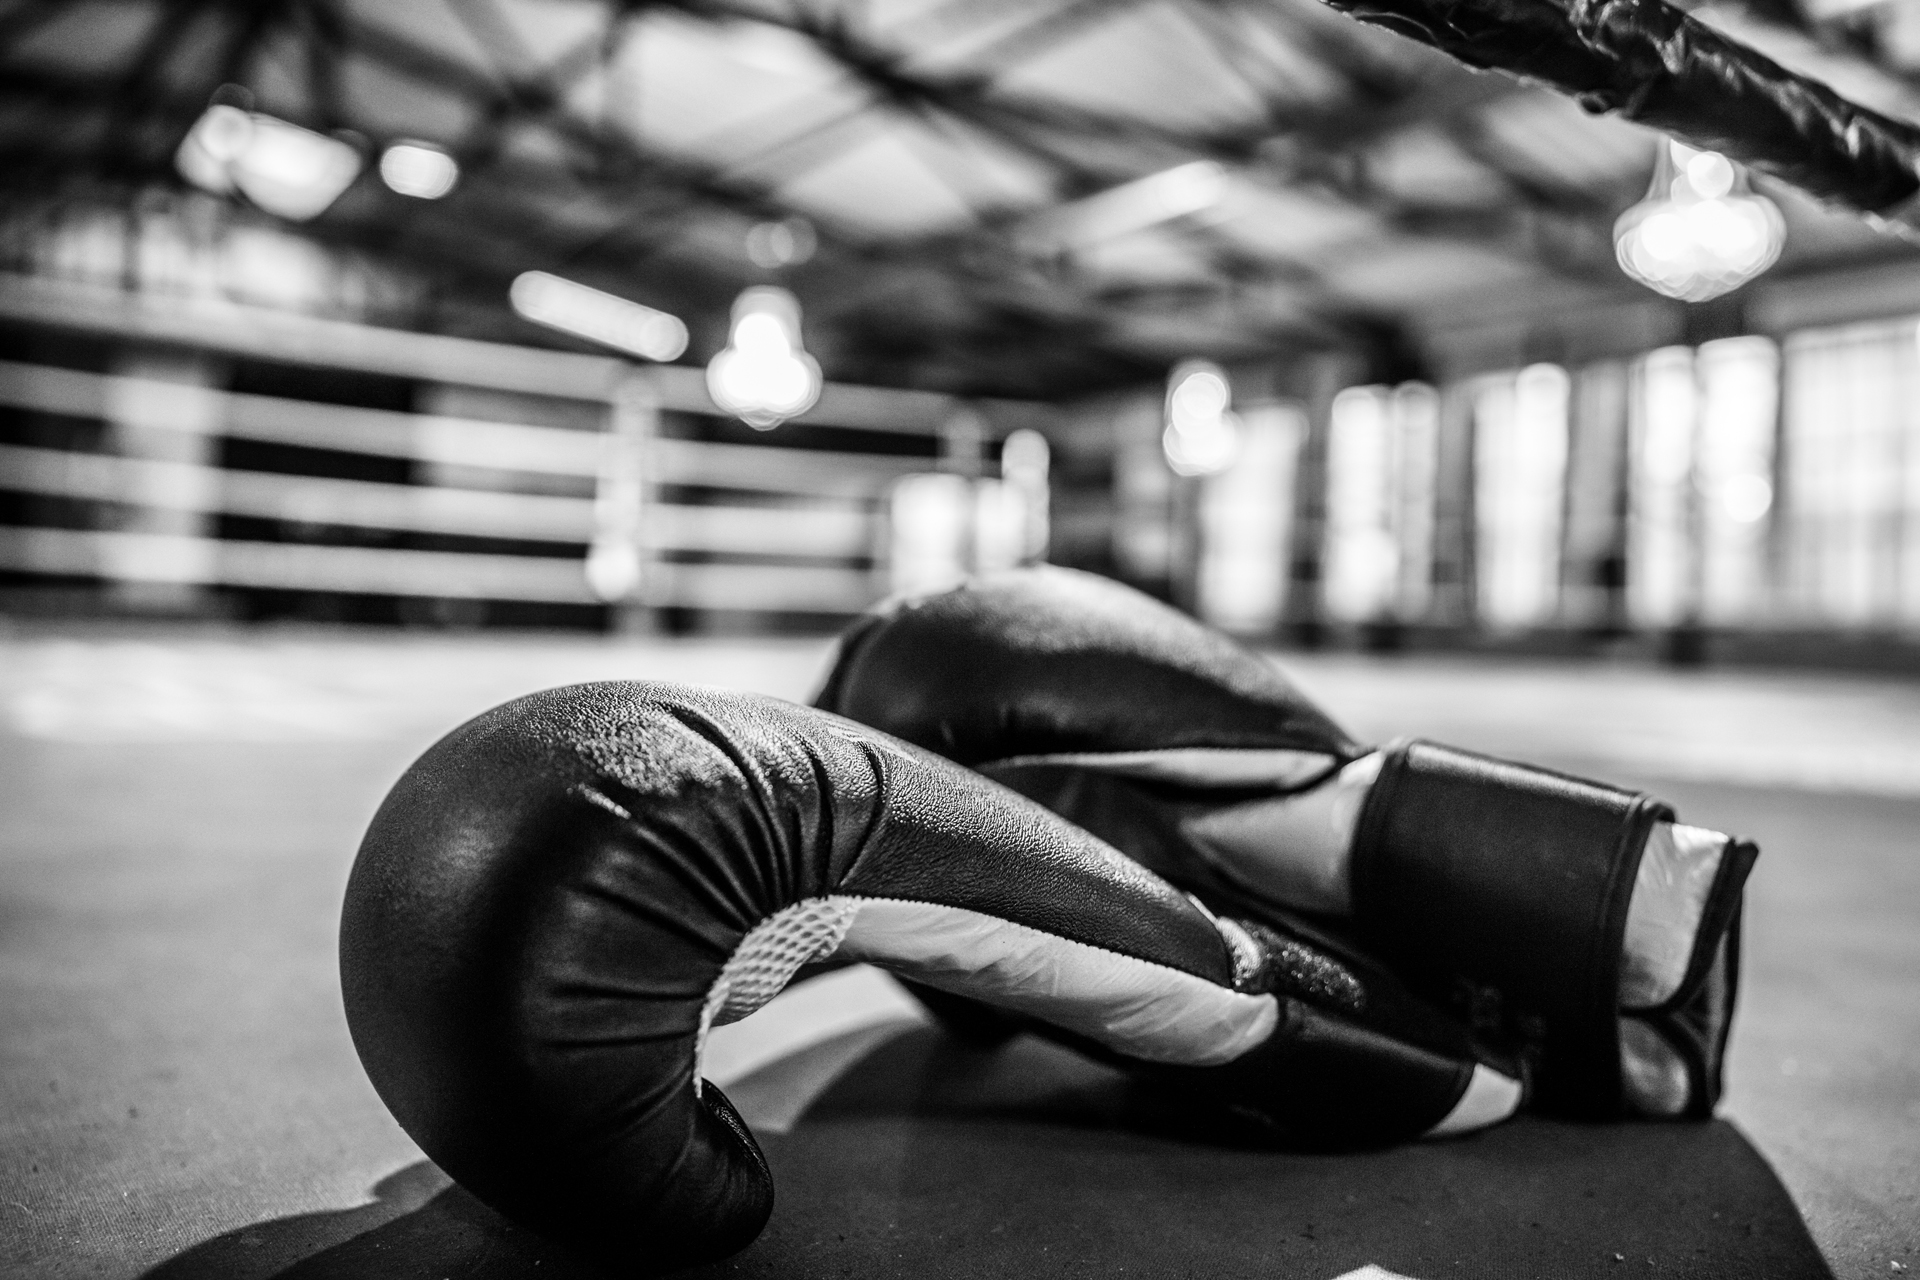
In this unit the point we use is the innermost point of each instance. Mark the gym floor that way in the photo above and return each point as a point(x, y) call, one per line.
point(178, 810)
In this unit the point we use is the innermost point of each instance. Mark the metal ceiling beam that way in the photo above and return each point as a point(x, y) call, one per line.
point(1014, 123)
point(507, 201)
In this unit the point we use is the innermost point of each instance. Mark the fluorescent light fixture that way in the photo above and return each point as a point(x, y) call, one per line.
point(1700, 232)
point(418, 169)
point(290, 172)
point(1185, 189)
point(599, 317)
point(1179, 192)
point(1202, 436)
point(764, 376)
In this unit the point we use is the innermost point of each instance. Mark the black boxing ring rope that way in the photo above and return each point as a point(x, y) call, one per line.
point(1655, 65)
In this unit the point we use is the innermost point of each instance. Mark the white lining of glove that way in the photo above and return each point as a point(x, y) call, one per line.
point(1146, 1010)
point(1136, 1007)
point(1489, 1099)
point(1296, 849)
point(1670, 893)
point(1200, 767)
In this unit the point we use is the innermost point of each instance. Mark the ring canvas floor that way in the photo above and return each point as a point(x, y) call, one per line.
point(178, 1096)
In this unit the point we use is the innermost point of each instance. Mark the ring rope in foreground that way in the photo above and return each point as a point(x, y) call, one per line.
point(1655, 65)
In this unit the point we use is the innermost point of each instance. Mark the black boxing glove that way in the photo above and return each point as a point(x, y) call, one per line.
point(558, 901)
point(1518, 894)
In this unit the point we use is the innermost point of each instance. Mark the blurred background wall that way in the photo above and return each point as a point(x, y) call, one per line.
point(1287, 320)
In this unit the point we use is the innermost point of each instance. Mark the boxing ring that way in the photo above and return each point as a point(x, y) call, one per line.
point(184, 1102)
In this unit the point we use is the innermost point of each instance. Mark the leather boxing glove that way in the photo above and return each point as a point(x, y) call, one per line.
point(1517, 894)
point(557, 902)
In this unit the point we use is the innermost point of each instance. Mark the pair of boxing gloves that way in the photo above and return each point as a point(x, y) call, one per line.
point(1042, 796)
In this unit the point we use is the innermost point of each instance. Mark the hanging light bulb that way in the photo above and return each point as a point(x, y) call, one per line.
point(418, 169)
point(1202, 436)
point(292, 173)
point(1701, 231)
point(764, 376)
point(589, 313)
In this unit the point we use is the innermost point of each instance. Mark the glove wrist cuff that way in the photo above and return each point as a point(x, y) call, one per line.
point(1505, 888)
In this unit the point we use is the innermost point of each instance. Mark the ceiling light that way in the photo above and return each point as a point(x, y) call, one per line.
point(764, 376)
point(600, 317)
point(1179, 192)
point(1701, 231)
point(290, 172)
point(418, 169)
point(1187, 188)
point(1203, 435)
point(786, 243)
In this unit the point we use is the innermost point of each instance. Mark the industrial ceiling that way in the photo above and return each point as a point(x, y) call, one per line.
point(1018, 197)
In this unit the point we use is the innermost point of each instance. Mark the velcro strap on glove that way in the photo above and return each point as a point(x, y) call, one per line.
point(1504, 889)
